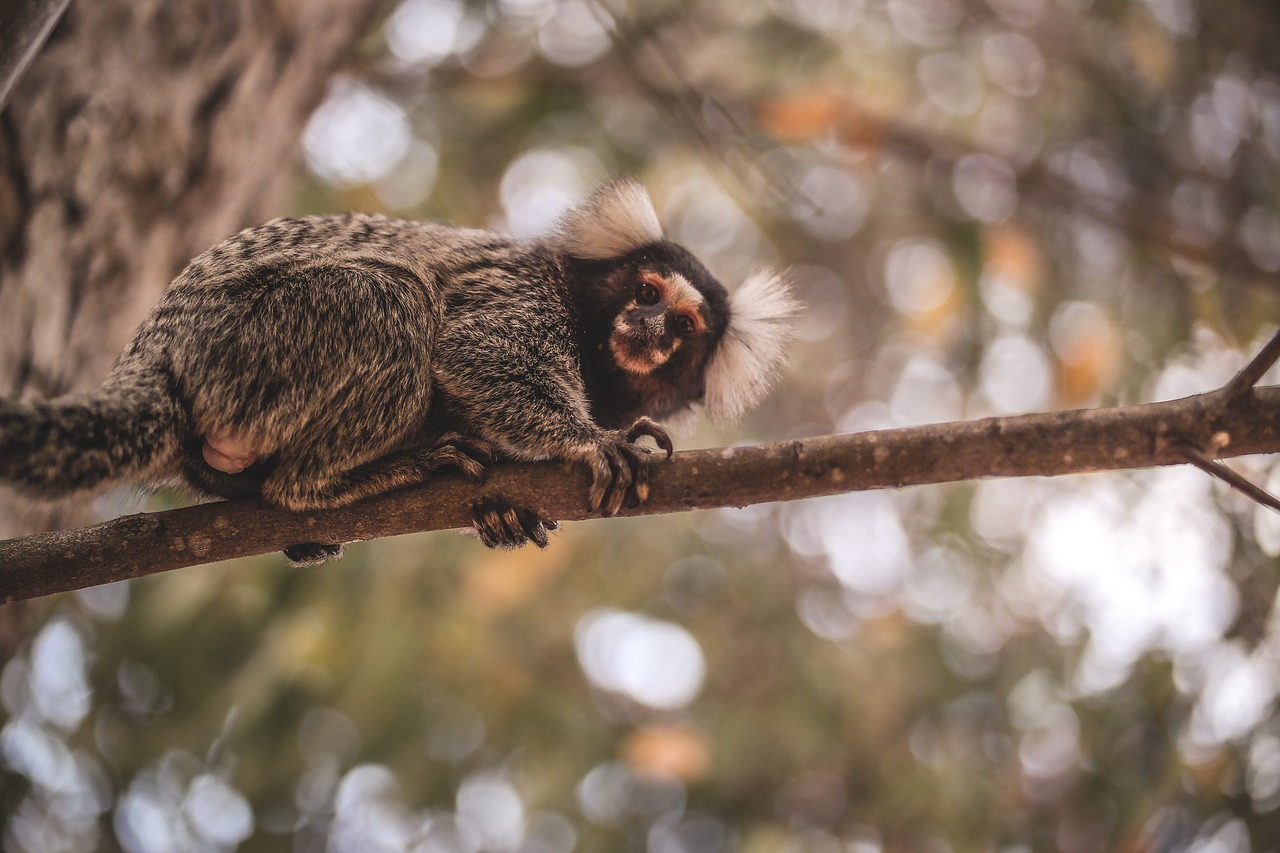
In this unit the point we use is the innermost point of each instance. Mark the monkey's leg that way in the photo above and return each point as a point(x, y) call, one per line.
point(299, 484)
point(290, 487)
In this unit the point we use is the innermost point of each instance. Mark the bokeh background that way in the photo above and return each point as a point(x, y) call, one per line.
point(988, 207)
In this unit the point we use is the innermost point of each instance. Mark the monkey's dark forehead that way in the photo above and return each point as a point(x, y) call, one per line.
point(669, 257)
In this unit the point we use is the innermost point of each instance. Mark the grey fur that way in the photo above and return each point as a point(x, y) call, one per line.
point(355, 354)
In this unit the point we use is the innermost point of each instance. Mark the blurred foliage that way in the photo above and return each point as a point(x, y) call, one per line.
point(988, 207)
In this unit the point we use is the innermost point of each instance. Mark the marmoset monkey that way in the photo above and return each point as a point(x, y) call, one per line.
point(316, 361)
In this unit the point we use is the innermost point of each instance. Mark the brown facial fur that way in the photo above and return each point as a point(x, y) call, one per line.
point(648, 332)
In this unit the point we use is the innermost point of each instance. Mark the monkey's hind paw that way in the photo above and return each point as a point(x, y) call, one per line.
point(500, 524)
point(621, 469)
point(311, 554)
point(469, 455)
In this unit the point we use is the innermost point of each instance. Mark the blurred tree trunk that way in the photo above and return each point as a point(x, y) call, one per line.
point(143, 132)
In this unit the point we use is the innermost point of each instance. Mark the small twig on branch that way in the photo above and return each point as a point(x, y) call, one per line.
point(1239, 389)
point(1242, 383)
point(1027, 445)
point(1232, 478)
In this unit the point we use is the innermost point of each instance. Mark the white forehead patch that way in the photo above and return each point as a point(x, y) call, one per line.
point(680, 290)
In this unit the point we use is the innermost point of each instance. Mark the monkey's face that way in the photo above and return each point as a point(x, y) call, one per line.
point(664, 315)
point(657, 315)
point(669, 314)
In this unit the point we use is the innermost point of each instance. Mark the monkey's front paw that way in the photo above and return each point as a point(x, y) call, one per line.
point(622, 466)
point(469, 455)
point(500, 524)
point(311, 554)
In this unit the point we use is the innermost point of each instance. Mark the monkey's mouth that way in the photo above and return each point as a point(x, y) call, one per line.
point(636, 352)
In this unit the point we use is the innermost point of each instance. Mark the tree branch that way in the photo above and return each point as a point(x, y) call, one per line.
point(1027, 445)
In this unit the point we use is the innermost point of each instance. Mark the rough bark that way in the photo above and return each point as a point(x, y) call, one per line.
point(1229, 422)
point(142, 132)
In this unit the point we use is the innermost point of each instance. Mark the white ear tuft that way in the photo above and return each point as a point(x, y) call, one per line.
point(754, 346)
point(615, 220)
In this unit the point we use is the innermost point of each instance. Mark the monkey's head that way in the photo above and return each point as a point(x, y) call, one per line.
point(675, 334)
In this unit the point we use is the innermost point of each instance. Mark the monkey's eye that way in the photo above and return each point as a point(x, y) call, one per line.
point(684, 324)
point(647, 294)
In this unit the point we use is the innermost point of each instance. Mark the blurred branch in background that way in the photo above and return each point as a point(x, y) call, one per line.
point(24, 25)
point(1028, 445)
point(734, 136)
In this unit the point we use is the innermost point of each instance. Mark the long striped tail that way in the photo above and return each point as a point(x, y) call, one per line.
point(126, 431)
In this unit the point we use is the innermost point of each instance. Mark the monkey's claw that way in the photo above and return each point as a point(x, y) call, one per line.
point(500, 524)
point(469, 455)
point(651, 428)
point(622, 468)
